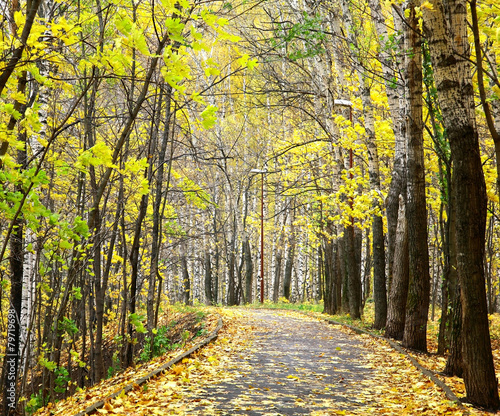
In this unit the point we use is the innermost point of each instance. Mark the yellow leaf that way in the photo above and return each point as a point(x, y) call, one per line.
point(427, 5)
point(496, 88)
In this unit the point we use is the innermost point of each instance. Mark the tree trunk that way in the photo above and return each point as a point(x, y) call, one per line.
point(417, 306)
point(394, 87)
point(287, 278)
point(379, 283)
point(319, 292)
point(329, 266)
point(186, 282)
point(399, 289)
point(208, 277)
point(449, 52)
point(247, 253)
point(215, 293)
point(343, 273)
point(448, 332)
point(134, 265)
point(16, 54)
point(290, 253)
point(354, 278)
point(156, 231)
point(277, 274)
point(489, 261)
point(231, 270)
point(454, 363)
point(12, 352)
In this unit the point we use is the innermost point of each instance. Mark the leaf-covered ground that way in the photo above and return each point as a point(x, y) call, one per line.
point(184, 322)
point(431, 361)
point(284, 363)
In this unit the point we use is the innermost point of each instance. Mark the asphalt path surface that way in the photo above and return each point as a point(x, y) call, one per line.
point(296, 366)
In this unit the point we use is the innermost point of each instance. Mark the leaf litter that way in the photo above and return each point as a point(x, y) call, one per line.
point(281, 363)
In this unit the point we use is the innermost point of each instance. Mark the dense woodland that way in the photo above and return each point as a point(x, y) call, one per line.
point(203, 151)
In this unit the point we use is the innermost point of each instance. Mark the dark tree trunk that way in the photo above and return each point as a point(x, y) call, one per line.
point(479, 372)
point(446, 29)
point(354, 278)
point(215, 291)
point(320, 283)
point(379, 283)
point(489, 262)
point(287, 278)
point(454, 363)
point(277, 274)
point(12, 358)
point(186, 283)
point(12, 353)
point(134, 265)
point(157, 203)
point(451, 293)
point(338, 261)
point(343, 273)
point(101, 288)
point(231, 289)
point(248, 271)
point(207, 262)
point(247, 255)
point(417, 306)
point(367, 272)
point(399, 288)
point(329, 260)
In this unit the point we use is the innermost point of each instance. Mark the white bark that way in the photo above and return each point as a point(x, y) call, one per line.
point(31, 241)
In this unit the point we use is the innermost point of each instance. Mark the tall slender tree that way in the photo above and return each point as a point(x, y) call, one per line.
point(417, 306)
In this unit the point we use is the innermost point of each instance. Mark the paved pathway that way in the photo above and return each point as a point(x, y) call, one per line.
point(296, 366)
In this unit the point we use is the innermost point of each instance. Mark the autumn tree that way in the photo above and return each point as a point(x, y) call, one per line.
point(447, 34)
point(417, 306)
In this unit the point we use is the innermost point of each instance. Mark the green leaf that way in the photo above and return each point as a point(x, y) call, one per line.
point(49, 365)
point(124, 24)
point(209, 117)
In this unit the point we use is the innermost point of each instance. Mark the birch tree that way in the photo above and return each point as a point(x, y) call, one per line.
point(445, 24)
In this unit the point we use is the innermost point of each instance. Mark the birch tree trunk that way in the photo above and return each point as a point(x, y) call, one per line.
point(34, 142)
point(394, 87)
point(290, 253)
point(447, 34)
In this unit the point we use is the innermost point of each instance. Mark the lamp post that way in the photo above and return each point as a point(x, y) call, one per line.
point(262, 172)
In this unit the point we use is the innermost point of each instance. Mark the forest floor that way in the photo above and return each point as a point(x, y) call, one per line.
point(268, 362)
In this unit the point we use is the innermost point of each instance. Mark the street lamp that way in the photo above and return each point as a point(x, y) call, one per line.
point(262, 172)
